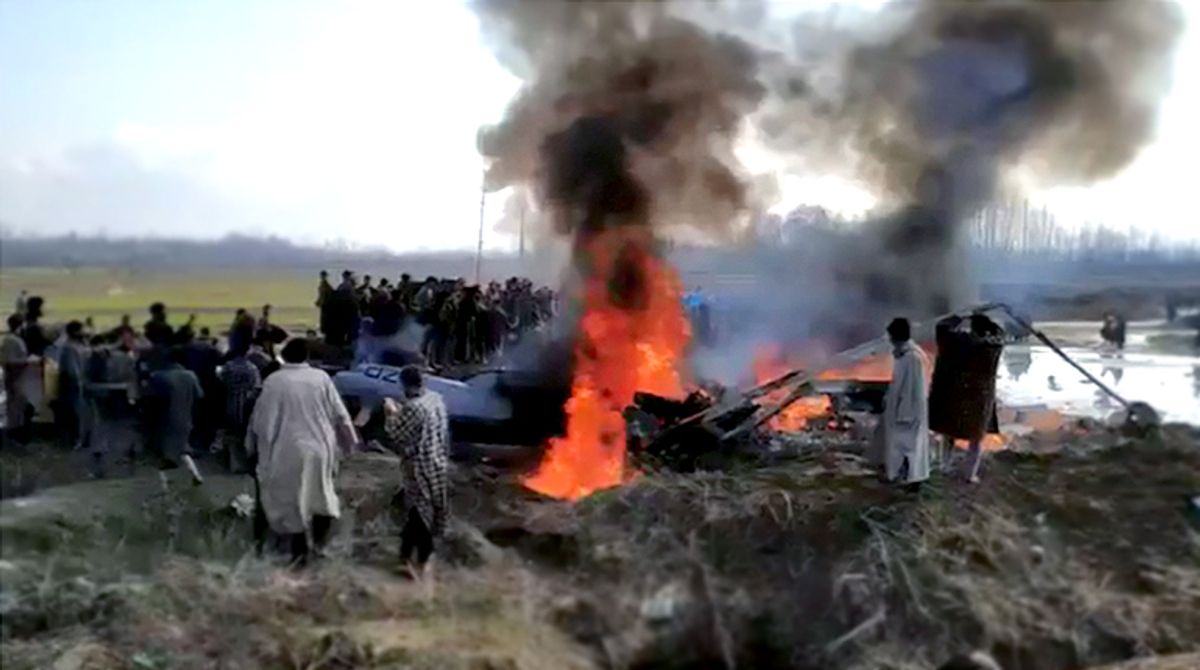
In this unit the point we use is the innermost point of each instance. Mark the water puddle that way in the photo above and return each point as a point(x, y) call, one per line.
point(1034, 376)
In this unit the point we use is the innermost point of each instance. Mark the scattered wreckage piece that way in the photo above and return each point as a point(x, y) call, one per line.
point(1139, 416)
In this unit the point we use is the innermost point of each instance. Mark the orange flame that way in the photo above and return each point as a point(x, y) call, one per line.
point(990, 442)
point(621, 349)
point(769, 363)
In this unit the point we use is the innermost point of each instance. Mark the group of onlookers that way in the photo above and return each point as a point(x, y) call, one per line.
point(169, 392)
point(460, 323)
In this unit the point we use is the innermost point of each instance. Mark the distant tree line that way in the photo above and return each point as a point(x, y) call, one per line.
point(73, 251)
point(1017, 229)
point(1010, 230)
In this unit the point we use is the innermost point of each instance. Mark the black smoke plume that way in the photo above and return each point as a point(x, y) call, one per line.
point(933, 104)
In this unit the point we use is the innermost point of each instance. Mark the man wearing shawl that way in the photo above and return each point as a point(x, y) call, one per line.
point(906, 411)
point(418, 430)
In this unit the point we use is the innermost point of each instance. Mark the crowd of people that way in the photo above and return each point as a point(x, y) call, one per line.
point(462, 324)
point(178, 394)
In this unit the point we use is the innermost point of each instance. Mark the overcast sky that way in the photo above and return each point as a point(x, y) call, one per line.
point(323, 120)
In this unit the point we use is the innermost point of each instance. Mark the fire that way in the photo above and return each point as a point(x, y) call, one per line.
point(990, 442)
point(630, 339)
point(770, 363)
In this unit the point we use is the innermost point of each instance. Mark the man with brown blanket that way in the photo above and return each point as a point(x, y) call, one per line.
point(962, 398)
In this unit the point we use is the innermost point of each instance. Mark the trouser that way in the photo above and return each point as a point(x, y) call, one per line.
point(975, 459)
point(76, 422)
point(974, 455)
point(113, 436)
point(16, 406)
point(302, 548)
point(299, 545)
point(415, 538)
point(234, 452)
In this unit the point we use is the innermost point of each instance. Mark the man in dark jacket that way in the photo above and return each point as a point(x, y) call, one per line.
point(73, 405)
point(113, 391)
point(157, 331)
point(175, 392)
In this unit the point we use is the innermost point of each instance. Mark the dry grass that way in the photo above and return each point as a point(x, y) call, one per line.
point(813, 564)
point(810, 564)
point(193, 614)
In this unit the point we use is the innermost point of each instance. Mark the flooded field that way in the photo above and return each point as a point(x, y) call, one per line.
point(1158, 366)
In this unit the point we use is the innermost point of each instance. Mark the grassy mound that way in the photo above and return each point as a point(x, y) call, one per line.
point(1067, 560)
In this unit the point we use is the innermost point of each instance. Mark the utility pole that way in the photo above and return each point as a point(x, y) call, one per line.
point(479, 245)
point(521, 232)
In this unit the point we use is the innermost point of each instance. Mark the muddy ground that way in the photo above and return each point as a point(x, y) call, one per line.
point(1066, 557)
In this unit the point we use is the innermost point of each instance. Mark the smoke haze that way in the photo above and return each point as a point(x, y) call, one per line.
point(932, 104)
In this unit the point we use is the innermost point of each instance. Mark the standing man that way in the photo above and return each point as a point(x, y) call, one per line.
point(14, 357)
point(418, 430)
point(35, 336)
point(203, 358)
point(297, 427)
point(962, 400)
point(175, 391)
point(113, 391)
point(157, 330)
point(22, 302)
point(906, 411)
point(72, 366)
point(241, 380)
point(324, 290)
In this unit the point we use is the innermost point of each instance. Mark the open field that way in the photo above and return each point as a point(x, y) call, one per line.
point(212, 295)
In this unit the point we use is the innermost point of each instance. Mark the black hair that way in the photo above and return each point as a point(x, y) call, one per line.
point(982, 326)
point(295, 351)
point(410, 376)
point(15, 321)
point(97, 341)
point(33, 307)
point(158, 308)
point(74, 329)
point(899, 330)
point(205, 332)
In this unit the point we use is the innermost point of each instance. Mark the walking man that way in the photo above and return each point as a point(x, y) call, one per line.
point(418, 430)
point(14, 357)
point(175, 390)
point(296, 429)
point(113, 390)
point(241, 381)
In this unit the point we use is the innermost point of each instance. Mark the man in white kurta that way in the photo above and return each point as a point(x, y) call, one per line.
point(295, 433)
point(906, 410)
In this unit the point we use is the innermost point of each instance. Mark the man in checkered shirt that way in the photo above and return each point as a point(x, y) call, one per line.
point(418, 430)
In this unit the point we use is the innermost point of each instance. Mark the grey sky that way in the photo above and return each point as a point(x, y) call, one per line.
point(320, 120)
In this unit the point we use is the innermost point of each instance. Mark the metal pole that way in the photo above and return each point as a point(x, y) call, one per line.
point(521, 249)
point(479, 245)
point(1054, 347)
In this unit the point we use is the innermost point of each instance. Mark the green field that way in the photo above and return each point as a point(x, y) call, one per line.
point(212, 295)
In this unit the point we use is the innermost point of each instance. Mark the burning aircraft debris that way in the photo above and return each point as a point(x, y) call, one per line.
point(631, 111)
